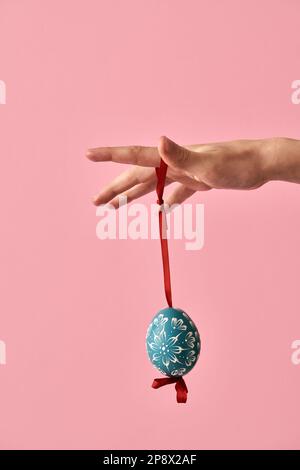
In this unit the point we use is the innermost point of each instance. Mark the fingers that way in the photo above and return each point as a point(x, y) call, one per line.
point(173, 154)
point(123, 182)
point(134, 154)
point(134, 193)
point(179, 195)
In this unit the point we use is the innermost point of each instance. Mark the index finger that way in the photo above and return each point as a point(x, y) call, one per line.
point(133, 154)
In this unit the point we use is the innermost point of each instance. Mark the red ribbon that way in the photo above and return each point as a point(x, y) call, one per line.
point(180, 387)
point(161, 173)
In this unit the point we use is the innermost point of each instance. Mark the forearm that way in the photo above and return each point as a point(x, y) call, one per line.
point(282, 156)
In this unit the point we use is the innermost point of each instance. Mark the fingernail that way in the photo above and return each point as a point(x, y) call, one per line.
point(89, 153)
point(167, 144)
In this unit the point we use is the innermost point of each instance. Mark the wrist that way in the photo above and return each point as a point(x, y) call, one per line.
point(281, 157)
point(268, 155)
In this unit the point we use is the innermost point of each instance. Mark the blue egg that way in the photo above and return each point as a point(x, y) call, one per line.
point(173, 342)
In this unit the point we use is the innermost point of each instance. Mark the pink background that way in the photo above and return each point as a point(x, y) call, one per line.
point(74, 309)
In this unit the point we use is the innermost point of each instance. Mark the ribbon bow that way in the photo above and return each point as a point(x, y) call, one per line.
point(180, 387)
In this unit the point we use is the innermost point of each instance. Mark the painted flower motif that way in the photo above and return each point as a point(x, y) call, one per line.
point(177, 324)
point(165, 349)
point(160, 321)
point(190, 357)
point(177, 372)
point(161, 371)
point(148, 330)
point(190, 339)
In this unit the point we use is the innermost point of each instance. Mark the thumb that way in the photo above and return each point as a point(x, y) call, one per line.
point(173, 154)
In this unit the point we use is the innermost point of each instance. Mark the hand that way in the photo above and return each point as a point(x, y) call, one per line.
point(240, 164)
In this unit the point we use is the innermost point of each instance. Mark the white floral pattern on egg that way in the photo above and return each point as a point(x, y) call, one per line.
point(173, 342)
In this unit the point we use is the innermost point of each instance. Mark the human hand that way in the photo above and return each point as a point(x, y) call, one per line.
point(239, 164)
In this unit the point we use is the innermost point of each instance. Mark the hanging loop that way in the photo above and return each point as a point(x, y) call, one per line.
point(161, 173)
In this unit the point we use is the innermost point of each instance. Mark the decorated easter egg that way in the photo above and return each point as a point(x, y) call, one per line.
point(173, 342)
